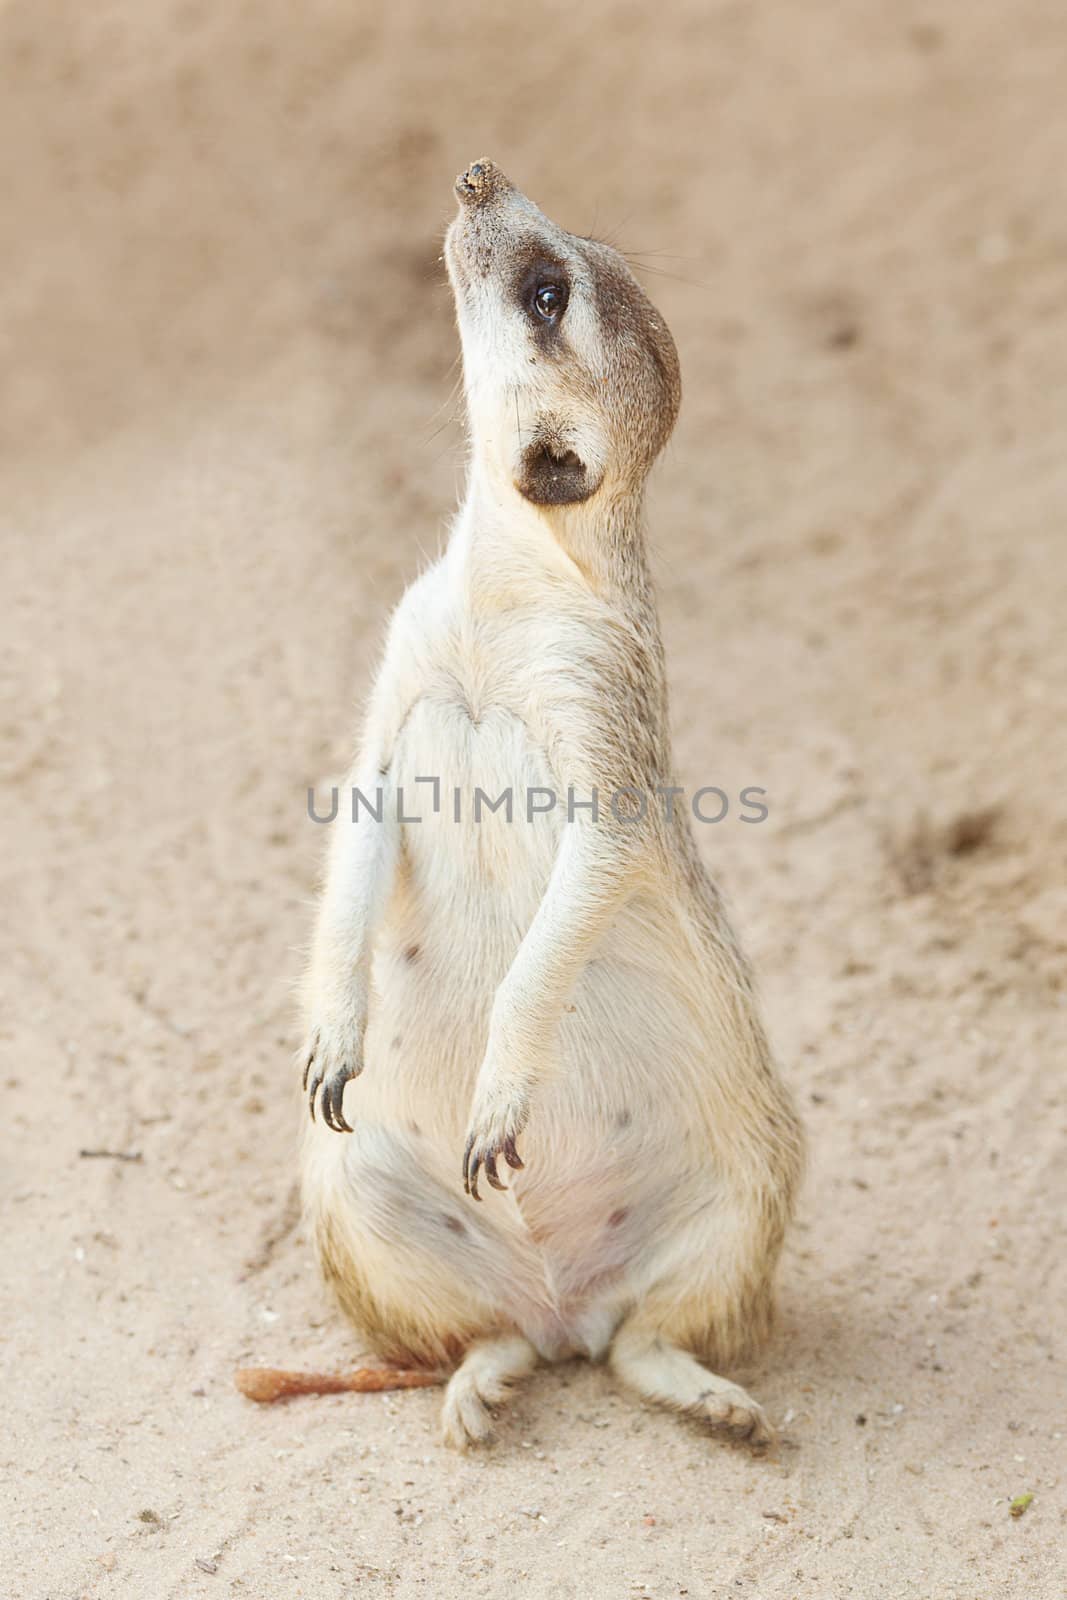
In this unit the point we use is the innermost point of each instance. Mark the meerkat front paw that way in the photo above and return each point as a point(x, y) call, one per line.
point(332, 1057)
point(496, 1122)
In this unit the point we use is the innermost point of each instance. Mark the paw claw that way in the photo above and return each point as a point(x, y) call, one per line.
point(484, 1157)
point(326, 1072)
point(511, 1155)
point(333, 1093)
point(485, 1151)
point(491, 1172)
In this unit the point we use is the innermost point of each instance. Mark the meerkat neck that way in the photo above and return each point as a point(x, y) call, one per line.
point(501, 545)
point(607, 540)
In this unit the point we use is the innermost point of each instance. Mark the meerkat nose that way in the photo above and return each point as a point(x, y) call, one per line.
point(482, 181)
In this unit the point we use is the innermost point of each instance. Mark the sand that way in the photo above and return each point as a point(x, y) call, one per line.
point(227, 440)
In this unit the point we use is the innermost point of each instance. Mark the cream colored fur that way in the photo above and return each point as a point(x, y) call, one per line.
point(569, 989)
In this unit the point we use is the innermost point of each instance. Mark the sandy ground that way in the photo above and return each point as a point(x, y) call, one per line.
point(226, 442)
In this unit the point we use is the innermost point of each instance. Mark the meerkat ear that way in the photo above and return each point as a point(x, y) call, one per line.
point(550, 479)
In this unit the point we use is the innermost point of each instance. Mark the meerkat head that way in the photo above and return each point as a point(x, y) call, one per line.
point(571, 374)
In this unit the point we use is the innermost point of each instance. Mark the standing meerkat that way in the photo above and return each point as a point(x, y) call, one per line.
point(553, 996)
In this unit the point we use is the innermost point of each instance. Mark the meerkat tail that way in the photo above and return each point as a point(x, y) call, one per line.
point(266, 1384)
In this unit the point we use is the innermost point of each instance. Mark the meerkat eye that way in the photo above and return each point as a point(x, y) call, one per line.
point(549, 300)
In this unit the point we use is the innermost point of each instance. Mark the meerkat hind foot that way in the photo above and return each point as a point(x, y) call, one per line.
point(663, 1372)
point(483, 1380)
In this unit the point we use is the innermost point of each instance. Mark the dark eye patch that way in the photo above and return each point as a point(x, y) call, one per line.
point(542, 290)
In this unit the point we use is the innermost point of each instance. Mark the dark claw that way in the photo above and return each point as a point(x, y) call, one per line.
point(333, 1091)
point(472, 1162)
point(490, 1171)
point(340, 1124)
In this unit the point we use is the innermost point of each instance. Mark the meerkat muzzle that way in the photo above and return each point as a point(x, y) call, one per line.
point(483, 181)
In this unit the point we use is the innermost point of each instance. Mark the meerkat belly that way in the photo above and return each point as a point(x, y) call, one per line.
point(605, 1148)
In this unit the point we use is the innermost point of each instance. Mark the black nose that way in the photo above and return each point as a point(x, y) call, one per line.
point(482, 182)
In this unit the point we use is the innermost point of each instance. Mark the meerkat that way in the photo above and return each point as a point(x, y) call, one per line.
point(554, 998)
